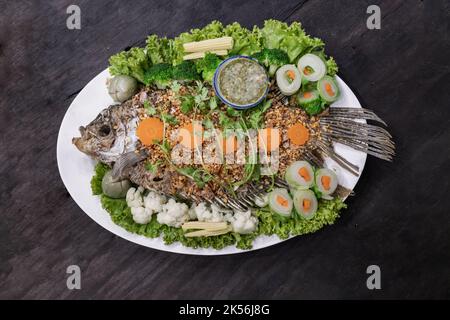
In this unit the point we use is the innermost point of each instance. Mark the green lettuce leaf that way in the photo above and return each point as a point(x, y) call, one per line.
point(133, 62)
point(159, 50)
point(332, 67)
point(290, 38)
point(96, 181)
point(245, 42)
point(273, 32)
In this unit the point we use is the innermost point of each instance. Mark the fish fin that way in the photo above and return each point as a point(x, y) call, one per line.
point(126, 161)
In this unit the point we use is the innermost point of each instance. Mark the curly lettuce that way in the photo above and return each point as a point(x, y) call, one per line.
point(290, 38)
point(159, 50)
point(269, 224)
point(96, 181)
point(245, 42)
point(332, 67)
point(133, 62)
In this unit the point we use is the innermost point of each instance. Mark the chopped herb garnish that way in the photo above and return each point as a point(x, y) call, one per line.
point(187, 104)
point(165, 146)
point(208, 124)
point(255, 115)
point(168, 118)
point(153, 167)
point(200, 176)
point(213, 103)
point(232, 112)
point(149, 108)
point(175, 87)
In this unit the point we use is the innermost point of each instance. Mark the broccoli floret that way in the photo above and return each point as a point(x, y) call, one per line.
point(272, 59)
point(160, 74)
point(207, 66)
point(185, 71)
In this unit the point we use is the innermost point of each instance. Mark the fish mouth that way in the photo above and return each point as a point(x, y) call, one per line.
point(81, 146)
point(78, 142)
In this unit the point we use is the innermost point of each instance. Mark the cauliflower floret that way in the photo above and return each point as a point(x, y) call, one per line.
point(173, 214)
point(134, 197)
point(203, 213)
point(135, 201)
point(226, 214)
point(244, 222)
point(141, 215)
point(192, 213)
point(154, 202)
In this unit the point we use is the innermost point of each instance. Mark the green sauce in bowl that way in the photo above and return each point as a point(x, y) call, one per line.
point(241, 82)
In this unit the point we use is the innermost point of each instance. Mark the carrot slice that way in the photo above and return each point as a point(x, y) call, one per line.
point(290, 74)
point(326, 181)
point(150, 130)
point(306, 204)
point(298, 134)
point(282, 201)
point(269, 139)
point(307, 95)
point(307, 71)
point(304, 174)
point(329, 90)
point(191, 135)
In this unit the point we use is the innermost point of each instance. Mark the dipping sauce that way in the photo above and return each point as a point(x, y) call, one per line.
point(242, 82)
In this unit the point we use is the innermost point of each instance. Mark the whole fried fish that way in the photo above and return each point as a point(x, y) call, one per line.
point(111, 139)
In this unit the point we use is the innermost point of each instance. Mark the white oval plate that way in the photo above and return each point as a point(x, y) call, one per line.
point(76, 169)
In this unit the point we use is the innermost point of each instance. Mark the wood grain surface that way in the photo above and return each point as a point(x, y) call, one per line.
point(399, 219)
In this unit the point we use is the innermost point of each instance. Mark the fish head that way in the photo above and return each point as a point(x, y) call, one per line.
point(98, 136)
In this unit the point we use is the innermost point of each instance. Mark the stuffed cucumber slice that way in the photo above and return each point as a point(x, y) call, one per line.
point(300, 174)
point(280, 202)
point(289, 79)
point(310, 102)
point(305, 203)
point(328, 89)
point(308, 97)
point(312, 67)
point(326, 181)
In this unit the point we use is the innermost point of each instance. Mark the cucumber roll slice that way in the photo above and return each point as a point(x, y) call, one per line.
point(280, 202)
point(305, 203)
point(310, 102)
point(289, 79)
point(328, 89)
point(300, 175)
point(312, 67)
point(306, 97)
point(326, 181)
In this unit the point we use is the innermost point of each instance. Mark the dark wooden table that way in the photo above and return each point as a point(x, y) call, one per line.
point(399, 220)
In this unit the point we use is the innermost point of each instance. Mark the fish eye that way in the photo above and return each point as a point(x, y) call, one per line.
point(104, 130)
